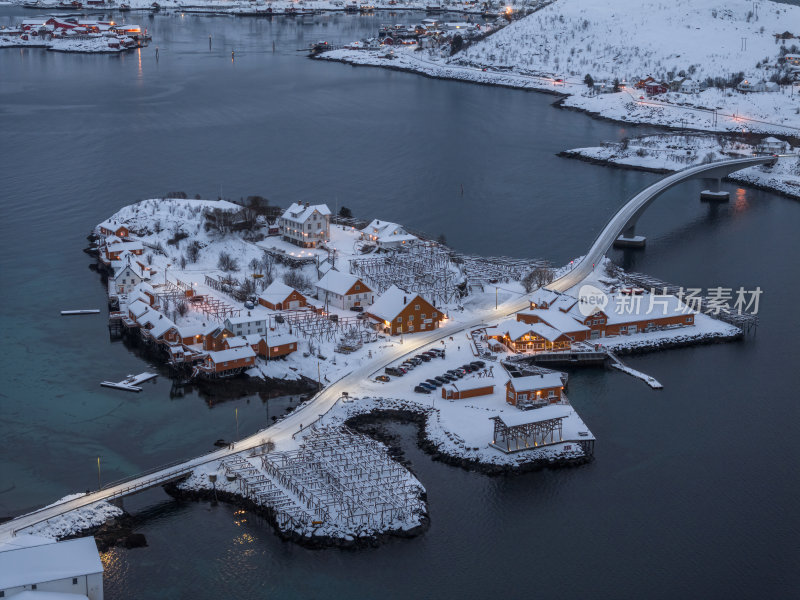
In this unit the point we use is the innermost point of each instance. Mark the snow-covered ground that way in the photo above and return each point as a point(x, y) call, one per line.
point(672, 152)
point(93, 45)
point(75, 521)
point(556, 47)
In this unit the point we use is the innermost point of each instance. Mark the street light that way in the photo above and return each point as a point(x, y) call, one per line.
point(99, 484)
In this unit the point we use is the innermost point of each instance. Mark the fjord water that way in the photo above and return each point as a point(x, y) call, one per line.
point(692, 493)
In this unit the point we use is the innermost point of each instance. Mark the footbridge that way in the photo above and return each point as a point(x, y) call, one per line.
point(623, 223)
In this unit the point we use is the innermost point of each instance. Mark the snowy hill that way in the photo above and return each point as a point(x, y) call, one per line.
point(631, 39)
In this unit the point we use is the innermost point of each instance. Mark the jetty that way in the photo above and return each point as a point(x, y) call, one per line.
point(87, 311)
point(130, 383)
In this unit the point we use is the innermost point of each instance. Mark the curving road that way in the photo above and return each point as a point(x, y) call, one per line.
point(282, 433)
point(626, 217)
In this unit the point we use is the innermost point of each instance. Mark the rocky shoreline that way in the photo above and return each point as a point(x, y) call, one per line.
point(369, 424)
point(315, 542)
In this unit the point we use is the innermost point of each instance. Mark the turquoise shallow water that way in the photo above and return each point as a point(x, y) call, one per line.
point(692, 490)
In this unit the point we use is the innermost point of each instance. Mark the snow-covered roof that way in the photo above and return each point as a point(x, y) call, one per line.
point(244, 320)
point(300, 213)
point(111, 225)
point(391, 303)
point(280, 339)
point(523, 417)
point(129, 246)
point(516, 329)
point(161, 327)
point(337, 282)
point(387, 232)
point(191, 330)
point(643, 307)
point(564, 302)
point(276, 292)
point(555, 318)
point(119, 267)
point(41, 595)
point(138, 308)
point(536, 382)
point(544, 296)
point(49, 562)
point(231, 354)
point(236, 342)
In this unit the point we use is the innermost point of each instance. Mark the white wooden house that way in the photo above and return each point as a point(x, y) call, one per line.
point(247, 325)
point(344, 290)
point(305, 225)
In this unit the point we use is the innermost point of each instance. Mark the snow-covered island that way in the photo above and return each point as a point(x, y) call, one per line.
point(708, 65)
point(71, 34)
point(671, 152)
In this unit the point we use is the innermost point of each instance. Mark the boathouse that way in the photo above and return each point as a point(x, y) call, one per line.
point(227, 362)
point(397, 311)
point(343, 290)
point(524, 337)
point(558, 320)
point(215, 339)
point(279, 296)
point(534, 390)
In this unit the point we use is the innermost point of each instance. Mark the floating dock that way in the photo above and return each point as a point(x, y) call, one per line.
point(88, 311)
point(130, 383)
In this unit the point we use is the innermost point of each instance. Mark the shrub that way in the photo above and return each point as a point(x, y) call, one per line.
point(226, 262)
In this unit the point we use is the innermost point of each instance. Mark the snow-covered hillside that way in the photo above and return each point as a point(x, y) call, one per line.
point(631, 39)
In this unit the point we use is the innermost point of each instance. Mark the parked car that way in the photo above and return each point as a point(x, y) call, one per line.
point(455, 373)
point(441, 379)
point(393, 371)
point(421, 390)
point(468, 368)
point(424, 357)
point(431, 353)
point(382, 378)
point(358, 309)
point(449, 377)
point(433, 382)
point(479, 363)
point(249, 305)
point(427, 386)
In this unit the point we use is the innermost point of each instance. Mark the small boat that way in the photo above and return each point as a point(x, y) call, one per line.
point(434, 8)
point(124, 7)
point(155, 7)
point(88, 311)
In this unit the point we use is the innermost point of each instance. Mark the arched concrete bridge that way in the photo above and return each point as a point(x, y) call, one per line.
point(283, 433)
point(624, 221)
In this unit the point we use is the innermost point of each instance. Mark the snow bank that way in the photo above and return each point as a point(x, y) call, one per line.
point(75, 521)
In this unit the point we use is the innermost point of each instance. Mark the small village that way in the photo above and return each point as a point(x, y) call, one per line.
point(71, 34)
point(318, 293)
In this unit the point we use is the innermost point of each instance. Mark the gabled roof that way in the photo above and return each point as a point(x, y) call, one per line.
point(629, 310)
point(138, 308)
point(112, 225)
point(161, 326)
point(338, 282)
point(232, 354)
point(565, 322)
point(276, 292)
point(544, 296)
point(236, 342)
point(135, 267)
point(536, 382)
point(517, 329)
point(280, 339)
point(245, 319)
point(387, 232)
point(391, 303)
point(300, 213)
point(49, 562)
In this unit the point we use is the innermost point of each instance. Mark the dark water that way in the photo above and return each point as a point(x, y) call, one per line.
point(692, 493)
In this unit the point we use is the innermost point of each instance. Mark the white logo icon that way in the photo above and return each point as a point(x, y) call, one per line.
point(591, 299)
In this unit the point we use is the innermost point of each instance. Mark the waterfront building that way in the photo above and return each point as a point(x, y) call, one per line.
point(524, 337)
point(126, 278)
point(305, 225)
point(228, 362)
point(534, 390)
point(111, 227)
point(387, 235)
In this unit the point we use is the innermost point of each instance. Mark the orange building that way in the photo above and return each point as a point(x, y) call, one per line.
point(276, 345)
point(225, 362)
point(546, 388)
point(215, 340)
point(279, 296)
point(469, 389)
point(536, 337)
point(396, 311)
point(108, 228)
